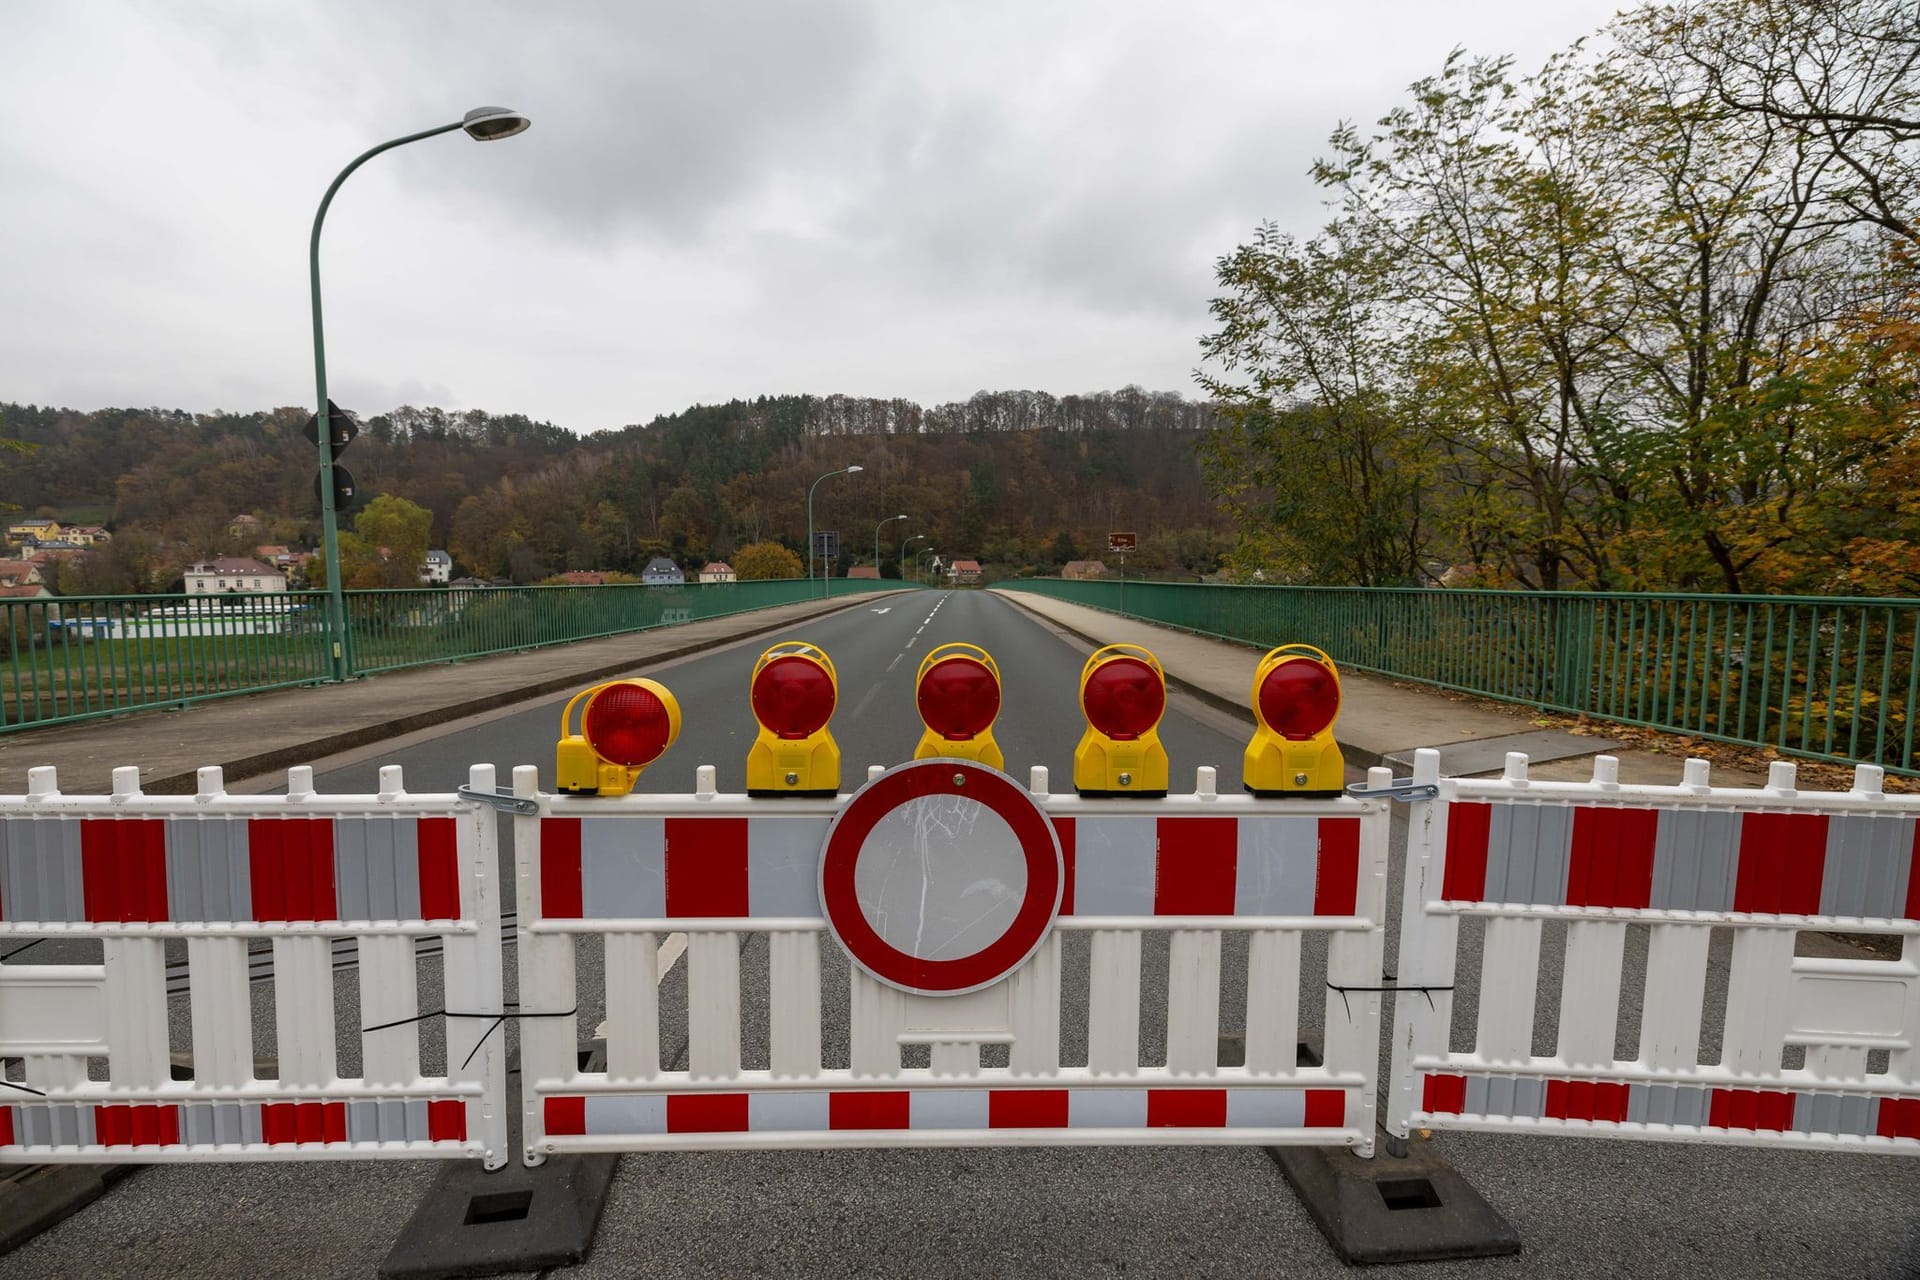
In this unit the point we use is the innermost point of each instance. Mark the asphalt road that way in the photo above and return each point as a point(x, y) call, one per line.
point(1584, 1207)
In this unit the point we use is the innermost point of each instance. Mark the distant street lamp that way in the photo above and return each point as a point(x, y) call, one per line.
point(876, 541)
point(924, 551)
point(844, 471)
point(482, 124)
point(918, 537)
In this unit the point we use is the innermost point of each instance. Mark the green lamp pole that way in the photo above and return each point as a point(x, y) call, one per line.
point(918, 537)
point(482, 124)
point(876, 540)
point(844, 471)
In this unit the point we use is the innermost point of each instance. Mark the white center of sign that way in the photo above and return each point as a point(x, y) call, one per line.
point(940, 877)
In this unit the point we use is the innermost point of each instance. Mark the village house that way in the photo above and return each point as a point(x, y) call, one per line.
point(965, 571)
point(233, 573)
point(19, 573)
point(86, 535)
point(36, 529)
point(438, 568)
point(866, 571)
point(717, 571)
point(1084, 569)
point(662, 572)
point(243, 526)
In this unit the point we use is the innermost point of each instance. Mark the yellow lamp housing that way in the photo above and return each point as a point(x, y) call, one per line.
point(1296, 699)
point(1123, 693)
point(794, 690)
point(957, 692)
point(625, 725)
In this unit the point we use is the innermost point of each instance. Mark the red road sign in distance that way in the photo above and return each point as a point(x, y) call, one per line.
point(941, 877)
point(1123, 542)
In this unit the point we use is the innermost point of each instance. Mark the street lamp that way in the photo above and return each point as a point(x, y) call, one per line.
point(844, 471)
point(482, 124)
point(876, 541)
point(924, 551)
point(918, 537)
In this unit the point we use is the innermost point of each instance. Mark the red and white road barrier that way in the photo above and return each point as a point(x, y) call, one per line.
point(206, 876)
point(984, 969)
point(1610, 864)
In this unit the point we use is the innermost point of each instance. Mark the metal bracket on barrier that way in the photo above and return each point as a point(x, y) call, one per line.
point(505, 801)
point(1405, 790)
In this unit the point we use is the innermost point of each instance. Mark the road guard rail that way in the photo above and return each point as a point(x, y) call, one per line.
point(981, 924)
point(312, 1073)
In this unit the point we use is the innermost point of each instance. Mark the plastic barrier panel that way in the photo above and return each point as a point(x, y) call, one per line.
point(276, 1049)
point(1655, 892)
point(898, 967)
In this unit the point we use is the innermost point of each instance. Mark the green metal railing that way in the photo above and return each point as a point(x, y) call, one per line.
point(1832, 678)
point(76, 657)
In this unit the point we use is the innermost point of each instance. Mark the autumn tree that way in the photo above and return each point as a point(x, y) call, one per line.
point(761, 560)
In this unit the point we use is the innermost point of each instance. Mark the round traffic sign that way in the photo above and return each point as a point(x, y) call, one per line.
point(941, 876)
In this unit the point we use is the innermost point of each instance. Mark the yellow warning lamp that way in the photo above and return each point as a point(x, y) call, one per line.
point(626, 726)
point(793, 691)
point(1296, 699)
point(1123, 692)
point(958, 693)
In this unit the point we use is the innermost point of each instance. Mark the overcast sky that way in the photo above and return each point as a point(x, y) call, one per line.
point(715, 200)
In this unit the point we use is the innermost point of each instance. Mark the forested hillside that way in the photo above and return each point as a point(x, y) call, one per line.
point(1013, 478)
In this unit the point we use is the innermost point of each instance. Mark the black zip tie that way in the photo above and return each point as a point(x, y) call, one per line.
point(17, 950)
point(38, 1093)
point(499, 1020)
point(1391, 986)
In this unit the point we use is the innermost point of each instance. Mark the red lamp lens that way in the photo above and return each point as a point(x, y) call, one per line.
point(1123, 698)
point(1299, 699)
point(958, 698)
point(793, 696)
point(627, 725)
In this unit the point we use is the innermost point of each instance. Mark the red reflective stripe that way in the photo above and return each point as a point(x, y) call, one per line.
point(1762, 1111)
point(1336, 881)
point(560, 881)
point(6, 1127)
point(707, 1112)
point(1186, 1108)
point(1027, 1109)
point(1913, 876)
point(284, 1123)
point(1444, 1095)
point(565, 1115)
point(290, 861)
point(439, 876)
point(1586, 1100)
point(1899, 1118)
point(112, 1126)
point(1612, 858)
point(1064, 829)
point(1327, 1108)
point(868, 1110)
point(123, 869)
point(1194, 867)
point(447, 1120)
point(706, 867)
point(1782, 858)
point(276, 1123)
point(1467, 830)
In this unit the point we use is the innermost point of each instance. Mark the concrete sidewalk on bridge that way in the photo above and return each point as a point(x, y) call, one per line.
point(259, 733)
point(1382, 721)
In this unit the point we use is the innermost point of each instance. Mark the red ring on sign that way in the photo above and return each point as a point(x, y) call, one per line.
point(839, 898)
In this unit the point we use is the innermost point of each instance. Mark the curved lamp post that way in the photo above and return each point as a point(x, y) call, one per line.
point(876, 540)
point(924, 551)
point(844, 471)
point(918, 537)
point(482, 124)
